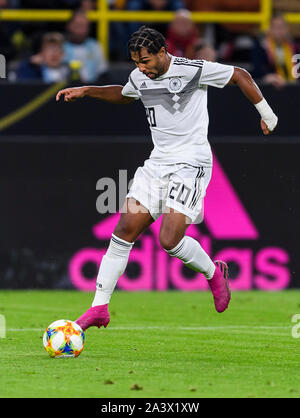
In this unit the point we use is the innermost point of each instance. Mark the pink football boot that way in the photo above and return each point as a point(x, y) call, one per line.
point(220, 287)
point(94, 317)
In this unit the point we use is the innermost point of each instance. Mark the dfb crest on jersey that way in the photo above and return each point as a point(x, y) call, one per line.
point(175, 84)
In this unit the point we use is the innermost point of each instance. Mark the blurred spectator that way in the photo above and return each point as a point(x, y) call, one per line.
point(82, 49)
point(203, 51)
point(48, 65)
point(272, 54)
point(154, 5)
point(86, 5)
point(208, 30)
point(30, 32)
point(234, 47)
point(234, 41)
point(182, 35)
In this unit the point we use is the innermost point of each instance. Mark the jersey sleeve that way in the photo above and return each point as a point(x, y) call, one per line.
point(215, 74)
point(130, 89)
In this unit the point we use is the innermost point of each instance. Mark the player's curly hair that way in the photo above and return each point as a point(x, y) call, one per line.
point(147, 38)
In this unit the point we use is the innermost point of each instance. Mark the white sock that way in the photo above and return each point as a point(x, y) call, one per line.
point(112, 266)
point(193, 256)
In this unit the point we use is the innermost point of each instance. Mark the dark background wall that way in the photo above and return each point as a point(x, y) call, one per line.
point(230, 113)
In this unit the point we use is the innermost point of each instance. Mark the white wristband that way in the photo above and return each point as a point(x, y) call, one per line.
point(267, 114)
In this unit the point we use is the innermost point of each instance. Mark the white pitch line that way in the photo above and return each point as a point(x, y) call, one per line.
point(180, 328)
point(24, 329)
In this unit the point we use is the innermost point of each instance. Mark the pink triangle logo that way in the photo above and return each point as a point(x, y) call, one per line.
point(225, 215)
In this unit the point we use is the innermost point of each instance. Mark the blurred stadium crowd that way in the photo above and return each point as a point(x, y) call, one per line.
point(56, 51)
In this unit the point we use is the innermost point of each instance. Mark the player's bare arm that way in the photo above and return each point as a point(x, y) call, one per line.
point(248, 86)
point(111, 94)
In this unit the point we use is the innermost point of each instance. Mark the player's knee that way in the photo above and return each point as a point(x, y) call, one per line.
point(168, 240)
point(125, 231)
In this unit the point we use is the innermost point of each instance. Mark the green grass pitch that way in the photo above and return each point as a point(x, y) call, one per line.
point(163, 345)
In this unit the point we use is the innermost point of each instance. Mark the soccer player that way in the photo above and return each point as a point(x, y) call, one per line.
point(174, 179)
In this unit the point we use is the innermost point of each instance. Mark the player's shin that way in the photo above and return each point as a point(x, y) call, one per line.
point(193, 256)
point(112, 266)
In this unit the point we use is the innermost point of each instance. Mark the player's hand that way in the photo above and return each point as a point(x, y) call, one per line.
point(265, 128)
point(71, 94)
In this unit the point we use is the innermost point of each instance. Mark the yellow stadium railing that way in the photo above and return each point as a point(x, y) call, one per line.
point(103, 16)
point(292, 17)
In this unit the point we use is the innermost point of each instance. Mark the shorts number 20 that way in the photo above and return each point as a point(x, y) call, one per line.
point(180, 193)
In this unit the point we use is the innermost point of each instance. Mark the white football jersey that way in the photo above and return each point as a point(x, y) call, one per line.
point(176, 108)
